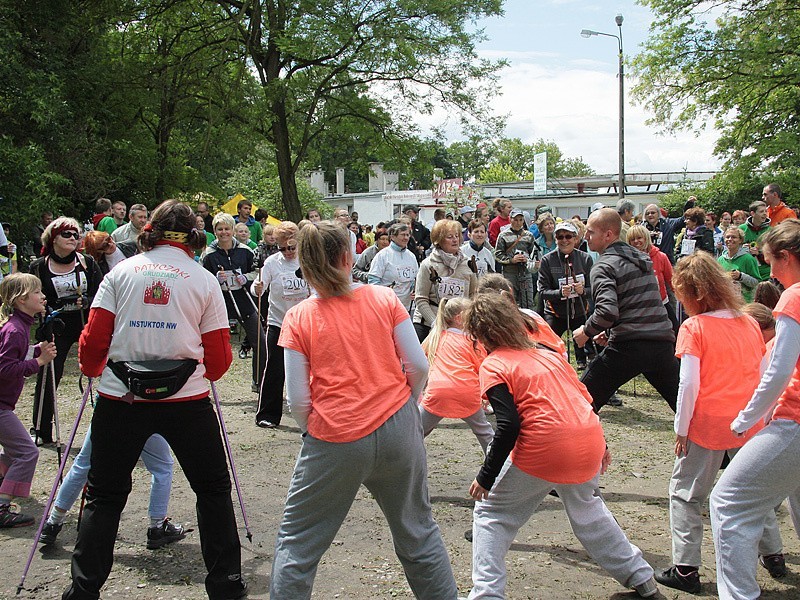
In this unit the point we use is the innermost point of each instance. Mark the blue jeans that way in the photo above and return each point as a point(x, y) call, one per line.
point(156, 458)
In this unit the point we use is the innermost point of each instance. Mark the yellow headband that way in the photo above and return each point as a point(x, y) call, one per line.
point(176, 236)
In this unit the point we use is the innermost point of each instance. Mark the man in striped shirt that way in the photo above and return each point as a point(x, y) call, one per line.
point(629, 318)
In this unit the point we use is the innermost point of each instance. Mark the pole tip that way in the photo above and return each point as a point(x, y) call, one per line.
point(19, 589)
point(250, 537)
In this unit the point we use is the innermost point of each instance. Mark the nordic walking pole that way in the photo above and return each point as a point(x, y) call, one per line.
point(230, 459)
point(51, 498)
point(55, 413)
point(260, 325)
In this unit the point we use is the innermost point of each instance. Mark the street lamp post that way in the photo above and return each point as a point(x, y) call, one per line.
point(589, 33)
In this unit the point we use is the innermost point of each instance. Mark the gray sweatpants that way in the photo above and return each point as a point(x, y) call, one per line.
point(391, 463)
point(693, 478)
point(477, 422)
point(513, 500)
point(764, 472)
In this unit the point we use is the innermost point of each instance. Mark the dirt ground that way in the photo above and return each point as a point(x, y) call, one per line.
point(545, 562)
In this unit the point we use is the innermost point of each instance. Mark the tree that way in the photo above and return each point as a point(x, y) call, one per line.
point(510, 159)
point(741, 76)
point(322, 61)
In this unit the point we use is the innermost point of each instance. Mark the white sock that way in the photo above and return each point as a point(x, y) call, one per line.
point(158, 522)
point(57, 517)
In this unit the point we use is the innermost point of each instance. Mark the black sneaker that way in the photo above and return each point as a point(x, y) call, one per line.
point(10, 520)
point(615, 400)
point(49, 533)
point(468, 535)
point(243, 352)
point(688, 582)
point(166, 534)
point(775, 564)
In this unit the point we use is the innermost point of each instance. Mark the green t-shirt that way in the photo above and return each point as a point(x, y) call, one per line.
point(107, 224)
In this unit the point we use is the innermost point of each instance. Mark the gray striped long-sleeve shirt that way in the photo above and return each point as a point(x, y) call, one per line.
point(627, 301)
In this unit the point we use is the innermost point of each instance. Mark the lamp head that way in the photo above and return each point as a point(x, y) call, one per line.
point(618, 20)
point(587, 33)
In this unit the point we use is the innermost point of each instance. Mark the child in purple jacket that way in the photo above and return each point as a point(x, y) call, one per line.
point(22, 298)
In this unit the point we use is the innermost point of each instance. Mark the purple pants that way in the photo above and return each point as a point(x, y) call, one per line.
point(18, 456)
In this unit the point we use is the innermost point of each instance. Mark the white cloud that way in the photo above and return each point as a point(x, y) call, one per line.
point(575, 103)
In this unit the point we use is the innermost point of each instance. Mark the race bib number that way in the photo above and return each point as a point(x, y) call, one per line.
point(687, 247)
point(571, 281)
point(294, 288)
point(228, 280)
point(658, 238)
point(67, 285)
point(452, 287)
point(404, 274)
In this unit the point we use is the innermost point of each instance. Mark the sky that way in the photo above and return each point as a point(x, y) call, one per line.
point(562, 87)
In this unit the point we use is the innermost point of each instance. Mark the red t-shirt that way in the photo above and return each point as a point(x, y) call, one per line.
point(495, 226)
point(560, 438)
point(788, 406)
point(453, 389)
point(730, 353)
point(662, 268)
point(354, 388)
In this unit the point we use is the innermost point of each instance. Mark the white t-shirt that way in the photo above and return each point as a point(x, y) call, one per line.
point(286, 289)
point(400, 268)
point(164, 302)
point(484, 259)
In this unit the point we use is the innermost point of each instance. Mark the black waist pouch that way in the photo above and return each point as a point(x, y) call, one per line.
point(153, 379)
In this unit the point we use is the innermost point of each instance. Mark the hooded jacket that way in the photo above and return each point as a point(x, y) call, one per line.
point(752, 235)
point(627, 301)
point(747, 265)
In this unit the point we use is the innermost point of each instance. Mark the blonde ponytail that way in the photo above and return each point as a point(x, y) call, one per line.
point(449, 309)
point(322, 249)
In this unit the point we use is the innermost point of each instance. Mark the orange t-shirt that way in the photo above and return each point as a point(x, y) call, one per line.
point(545, 336)
point(354, 389)
point(454, 391)
point(730, 353)
point(788, 406)
point(560, 438)
point(779, 213)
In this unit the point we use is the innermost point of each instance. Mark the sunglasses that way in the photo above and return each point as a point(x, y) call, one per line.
point(70, 234)
point(565, 237)
point(287, 248)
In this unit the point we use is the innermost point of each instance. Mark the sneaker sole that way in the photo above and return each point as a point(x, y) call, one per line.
point(161, 542)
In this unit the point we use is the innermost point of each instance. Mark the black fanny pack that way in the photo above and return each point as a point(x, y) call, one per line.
point(153, 379)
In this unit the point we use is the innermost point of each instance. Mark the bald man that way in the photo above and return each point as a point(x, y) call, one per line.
point(629, 318)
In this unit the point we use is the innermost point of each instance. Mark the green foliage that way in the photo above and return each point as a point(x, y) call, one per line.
point(510, 159)
point(729, 191)
point(740, 75)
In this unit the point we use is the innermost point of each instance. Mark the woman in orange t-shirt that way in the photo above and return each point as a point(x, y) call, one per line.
point(371, 436)
point(453, 389)
point(548, 437)
point(767, 469)
point(721, 350)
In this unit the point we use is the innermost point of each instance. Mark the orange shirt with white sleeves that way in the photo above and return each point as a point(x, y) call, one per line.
point(730, 352)
point(788, 406)
point(346, 405)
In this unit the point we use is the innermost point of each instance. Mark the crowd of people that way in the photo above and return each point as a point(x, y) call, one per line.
point(467, 318)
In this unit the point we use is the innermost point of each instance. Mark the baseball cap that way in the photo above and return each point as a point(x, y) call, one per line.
point(466, 209)
point(597, 206)
point(566, 226)
point(515, 213)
